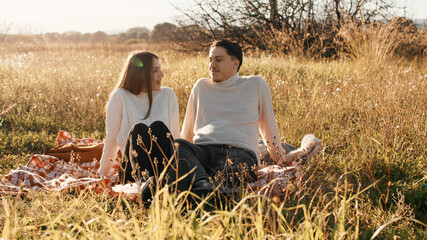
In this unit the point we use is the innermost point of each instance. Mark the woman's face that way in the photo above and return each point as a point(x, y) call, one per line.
point(156, 75)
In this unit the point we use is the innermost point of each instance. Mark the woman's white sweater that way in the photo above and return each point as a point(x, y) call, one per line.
point(125, 109)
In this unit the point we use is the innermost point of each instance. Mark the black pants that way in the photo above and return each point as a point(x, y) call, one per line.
point(148, 152)
point(221, 164)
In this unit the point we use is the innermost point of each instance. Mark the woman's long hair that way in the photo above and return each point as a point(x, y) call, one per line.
point(136, 75)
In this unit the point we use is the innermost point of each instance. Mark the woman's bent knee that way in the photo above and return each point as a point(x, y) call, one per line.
point(158, 125)
point(138, 127)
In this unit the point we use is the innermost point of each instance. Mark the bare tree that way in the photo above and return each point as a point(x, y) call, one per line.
point(267, 24)
point(248, 21)
point(361, 11)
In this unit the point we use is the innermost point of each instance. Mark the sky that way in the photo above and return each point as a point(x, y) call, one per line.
point(86, 15)
point(38, 16)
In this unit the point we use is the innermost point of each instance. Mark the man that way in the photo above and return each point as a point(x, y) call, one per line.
point(225, 115)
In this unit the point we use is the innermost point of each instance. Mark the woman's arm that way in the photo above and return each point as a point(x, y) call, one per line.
point(113, 123)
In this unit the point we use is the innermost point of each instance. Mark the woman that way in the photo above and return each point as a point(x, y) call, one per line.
point(139, 111)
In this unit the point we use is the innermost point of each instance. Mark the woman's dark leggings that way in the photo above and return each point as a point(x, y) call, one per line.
point(148, 151)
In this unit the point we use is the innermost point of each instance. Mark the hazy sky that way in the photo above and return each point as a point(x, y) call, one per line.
point(35, 16)
point(86, 15)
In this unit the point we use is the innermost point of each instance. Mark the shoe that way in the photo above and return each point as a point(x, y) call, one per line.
point(203, 183)
point(147, 190)
point(202, 188)
point(221, 197)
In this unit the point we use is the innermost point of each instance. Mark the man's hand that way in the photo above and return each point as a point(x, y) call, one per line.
point(289, 158)
point(286, 159)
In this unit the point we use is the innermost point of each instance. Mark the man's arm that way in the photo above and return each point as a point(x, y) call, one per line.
point(175, 117)
point(187, 131)
point(268, 126)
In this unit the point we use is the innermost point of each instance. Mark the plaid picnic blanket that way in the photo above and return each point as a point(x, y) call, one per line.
point(50, 173)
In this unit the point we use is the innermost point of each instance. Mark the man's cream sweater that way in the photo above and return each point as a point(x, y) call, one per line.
point(233, 112)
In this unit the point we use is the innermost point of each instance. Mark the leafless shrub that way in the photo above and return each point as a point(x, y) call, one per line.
point(304, 27)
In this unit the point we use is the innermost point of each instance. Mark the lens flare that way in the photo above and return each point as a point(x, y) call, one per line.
point(137, 62)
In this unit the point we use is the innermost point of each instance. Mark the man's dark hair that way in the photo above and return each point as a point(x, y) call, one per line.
point(233, 49)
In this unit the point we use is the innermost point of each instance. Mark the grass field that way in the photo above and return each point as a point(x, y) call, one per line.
point(370, 180)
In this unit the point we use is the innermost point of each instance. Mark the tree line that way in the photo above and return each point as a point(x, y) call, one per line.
point(159, 34)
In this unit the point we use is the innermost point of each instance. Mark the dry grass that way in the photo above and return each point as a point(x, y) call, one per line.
point(370, 112)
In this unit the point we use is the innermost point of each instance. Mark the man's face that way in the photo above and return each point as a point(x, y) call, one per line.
point(221, 65)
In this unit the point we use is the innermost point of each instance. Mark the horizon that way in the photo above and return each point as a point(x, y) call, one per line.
point(46, 16)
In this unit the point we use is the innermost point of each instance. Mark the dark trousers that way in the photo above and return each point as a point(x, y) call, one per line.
point(148, 152)
point(221, 164)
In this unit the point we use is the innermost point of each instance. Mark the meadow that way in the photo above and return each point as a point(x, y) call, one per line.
point(368, 182)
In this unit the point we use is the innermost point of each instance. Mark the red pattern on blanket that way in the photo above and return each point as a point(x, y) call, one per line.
point(44, 172)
